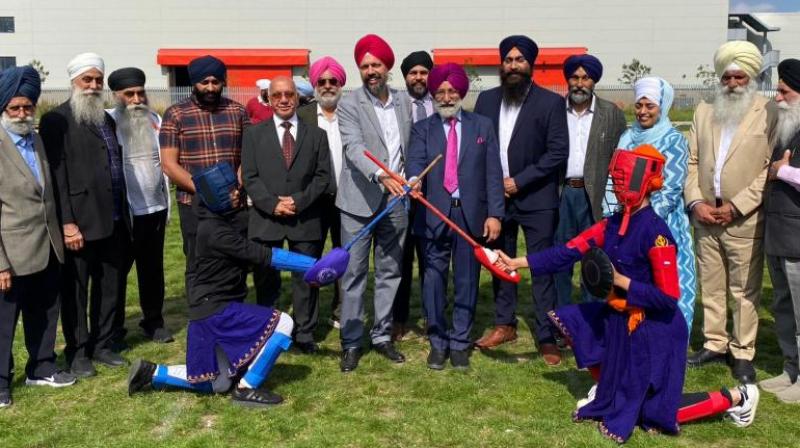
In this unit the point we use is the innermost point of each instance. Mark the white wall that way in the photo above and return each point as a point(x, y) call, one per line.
point(672, 37)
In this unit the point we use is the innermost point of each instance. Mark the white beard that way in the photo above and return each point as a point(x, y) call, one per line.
point(20, 126)
point(731, 106)
point(136, 129)
point(87, 107)
point(447, 111)
point(788, 122)
point(328, 102)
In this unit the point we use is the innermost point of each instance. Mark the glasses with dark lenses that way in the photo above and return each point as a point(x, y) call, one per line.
point(332, 81)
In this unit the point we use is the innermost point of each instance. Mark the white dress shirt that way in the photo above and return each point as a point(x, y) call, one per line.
point(331, 127)
point(579, 125)
point(725, 140)
point(508, 119)
point(391, 132)
point(280, 131)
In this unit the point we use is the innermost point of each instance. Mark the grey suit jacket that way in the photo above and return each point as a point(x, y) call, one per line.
point(28, 221)
point(608, 124)
point(358, 194)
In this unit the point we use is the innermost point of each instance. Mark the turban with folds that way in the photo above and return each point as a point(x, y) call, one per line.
point(325, 64)
point(524, 44)
point(304, 88)
point(742, 53)
point(789, 73)
point(592, 66)
point(19, 81)
point(376, 46)
point(84, 62)
point(124, 78)
point(452, 73)
point(263, 84)
point(414, 59)
point(205, 66)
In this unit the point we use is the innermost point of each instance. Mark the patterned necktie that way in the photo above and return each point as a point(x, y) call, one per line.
point(288, 144)
point(451, 159)
point(422, 113)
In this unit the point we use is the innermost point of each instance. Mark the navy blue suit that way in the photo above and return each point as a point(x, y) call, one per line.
point(538, 150)
point(480, 191)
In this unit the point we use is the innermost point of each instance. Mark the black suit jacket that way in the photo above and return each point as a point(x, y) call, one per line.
point(78, 158)
point(539, 145)
point(266, 177)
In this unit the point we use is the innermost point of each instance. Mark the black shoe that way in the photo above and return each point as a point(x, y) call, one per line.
point(437, 359)
point(309, 348)
point(140, 376)
point(743, 371)
point(254, 398)
point(459, 359)
point(387, 349)
point(57, 379)
point(704, 357)
point(160, 335)
point(350, 358)
point(82, 367)
point(5, 398)
point(109, 358)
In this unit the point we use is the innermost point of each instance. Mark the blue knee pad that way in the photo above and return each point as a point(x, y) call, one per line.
point(260, 368)
point(162, 380)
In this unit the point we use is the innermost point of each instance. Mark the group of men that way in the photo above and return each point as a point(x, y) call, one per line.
point(92, 190)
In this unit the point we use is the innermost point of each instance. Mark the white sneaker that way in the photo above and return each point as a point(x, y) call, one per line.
point(744, 414)
point(589, 398)
point(58, 379)
point(335, 323)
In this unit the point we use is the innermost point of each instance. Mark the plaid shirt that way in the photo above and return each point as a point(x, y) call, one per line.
point(203, 137)
point(115, 166)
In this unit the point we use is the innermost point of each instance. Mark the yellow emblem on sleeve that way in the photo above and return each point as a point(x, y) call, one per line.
point(661, 241)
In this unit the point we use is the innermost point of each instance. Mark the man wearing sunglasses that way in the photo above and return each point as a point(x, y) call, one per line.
point(328, 78)
point(286, 169)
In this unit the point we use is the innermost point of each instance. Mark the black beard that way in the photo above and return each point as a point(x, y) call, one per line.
point(515, 86)
point(208, 99)
point(417, 91)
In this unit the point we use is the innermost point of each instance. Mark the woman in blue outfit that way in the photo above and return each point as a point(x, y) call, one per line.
point(653, 100)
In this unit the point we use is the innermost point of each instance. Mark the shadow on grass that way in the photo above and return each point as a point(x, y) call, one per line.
point(576, 382)
point(289, 373)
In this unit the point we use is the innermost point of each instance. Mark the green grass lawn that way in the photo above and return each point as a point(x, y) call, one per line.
point(508, 398)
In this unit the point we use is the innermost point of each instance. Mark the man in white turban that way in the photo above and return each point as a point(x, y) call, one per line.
point(258, 108)
point(729, 156)
point(86, 161)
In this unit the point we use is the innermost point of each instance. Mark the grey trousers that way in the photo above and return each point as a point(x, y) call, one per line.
point(388, 237)
point(785, 274)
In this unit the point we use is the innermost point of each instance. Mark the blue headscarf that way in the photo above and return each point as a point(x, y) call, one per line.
point(19, 81)
point(656, 90)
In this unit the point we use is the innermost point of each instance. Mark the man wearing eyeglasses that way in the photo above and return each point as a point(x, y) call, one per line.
point(31, 246)
point(328, 77)
point(286, 169)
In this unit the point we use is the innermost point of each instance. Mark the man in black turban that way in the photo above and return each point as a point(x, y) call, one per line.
point(531, 125)
point(148, 198)
point(31, 246)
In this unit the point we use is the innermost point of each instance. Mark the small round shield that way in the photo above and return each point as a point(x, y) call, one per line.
point(597, 273)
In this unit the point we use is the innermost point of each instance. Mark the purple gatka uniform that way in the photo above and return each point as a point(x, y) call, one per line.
point(641, 373)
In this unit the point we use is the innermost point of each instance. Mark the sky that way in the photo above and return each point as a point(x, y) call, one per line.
point(744, 6)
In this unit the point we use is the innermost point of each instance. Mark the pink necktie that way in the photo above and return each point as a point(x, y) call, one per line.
point(451, 159)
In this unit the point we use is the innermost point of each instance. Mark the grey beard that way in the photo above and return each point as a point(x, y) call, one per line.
point(579, 97)
point(788, 122)
point(417, 91)
point(87, 107)
point(731, 107)
point(328, 101)
point(377, 89)
point(136, 129)
point(19, 126)
point(447, 111)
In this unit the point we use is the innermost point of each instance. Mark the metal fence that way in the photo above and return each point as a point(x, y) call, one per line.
point(686, 96)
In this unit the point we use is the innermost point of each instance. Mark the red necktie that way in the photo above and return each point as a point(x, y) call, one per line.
point(288, 144)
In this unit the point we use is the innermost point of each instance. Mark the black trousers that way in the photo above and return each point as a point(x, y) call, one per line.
point(305, 299)
point(333, 224)
point(402, 301)
point(147, 251)
point(101, 266)
point(189, 234)
point(35, 296)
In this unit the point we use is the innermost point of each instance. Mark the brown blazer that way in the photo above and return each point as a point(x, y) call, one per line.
point(28, 221)
point(745, 170)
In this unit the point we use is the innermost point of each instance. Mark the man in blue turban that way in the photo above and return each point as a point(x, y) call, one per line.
point(595, 126)
point(29, 260)
point(207, 75)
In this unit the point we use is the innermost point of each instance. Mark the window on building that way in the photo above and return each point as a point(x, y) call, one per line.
point(6, 24)
point(7, 61)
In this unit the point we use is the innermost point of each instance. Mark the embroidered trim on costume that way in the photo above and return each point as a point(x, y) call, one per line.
point(557, 322)
point(268, 330)
point(605, 432)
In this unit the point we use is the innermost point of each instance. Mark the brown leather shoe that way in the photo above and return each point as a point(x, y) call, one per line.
point(398, 331)
point(500, 335)
point(550, 354)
